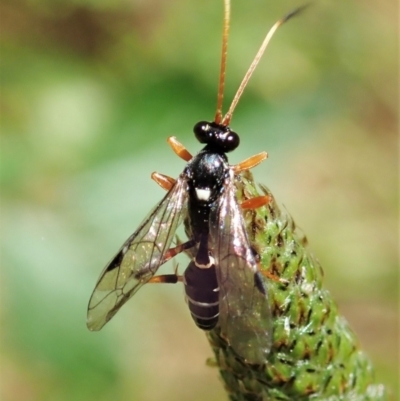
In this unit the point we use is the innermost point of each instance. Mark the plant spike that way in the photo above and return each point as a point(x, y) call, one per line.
point(314, 354)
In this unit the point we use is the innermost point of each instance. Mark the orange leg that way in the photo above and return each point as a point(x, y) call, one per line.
point(164, 181)
point(256, 202)
point(167, 278)
point(178, 249)
point(172, 278)
point(179, 149)
point(169, 254)
point(274, 277)
point(250, 162)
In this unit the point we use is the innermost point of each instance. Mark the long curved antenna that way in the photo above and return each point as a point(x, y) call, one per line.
point(227, 118)
point(225, 34)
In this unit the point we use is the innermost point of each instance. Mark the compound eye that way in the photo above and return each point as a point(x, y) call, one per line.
point(231, 142)
point(202, 131)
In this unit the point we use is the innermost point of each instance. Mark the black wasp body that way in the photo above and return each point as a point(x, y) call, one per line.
point(222, 282)
point(224, 288)
point(207, 173)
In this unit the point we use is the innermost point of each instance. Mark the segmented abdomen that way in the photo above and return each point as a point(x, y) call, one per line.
point(202, 295)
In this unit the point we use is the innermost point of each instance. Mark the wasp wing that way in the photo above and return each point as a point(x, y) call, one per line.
point(245, 315)
point(138, 259)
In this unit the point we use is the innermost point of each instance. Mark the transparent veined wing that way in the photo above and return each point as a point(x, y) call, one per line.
point(245, 315)
point(138, 259)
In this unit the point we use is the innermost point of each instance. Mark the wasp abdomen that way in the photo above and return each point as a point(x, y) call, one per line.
point(202, 295)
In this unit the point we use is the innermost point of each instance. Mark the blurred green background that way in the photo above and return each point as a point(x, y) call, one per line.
point(90, 91)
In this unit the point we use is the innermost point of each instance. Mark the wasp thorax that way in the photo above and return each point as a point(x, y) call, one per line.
point(219, 137)
point(206, 175)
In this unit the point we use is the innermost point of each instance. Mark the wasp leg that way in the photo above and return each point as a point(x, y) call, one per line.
point(179, 149)
point(166, 279)
point(256, 202)
point(178, 249)
point(164, 181)
point(250, 162)
point(172, 278)
point(275, 278)
point(265, 273)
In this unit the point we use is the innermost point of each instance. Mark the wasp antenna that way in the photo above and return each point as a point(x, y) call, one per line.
point(227, 118)
point(225, 34)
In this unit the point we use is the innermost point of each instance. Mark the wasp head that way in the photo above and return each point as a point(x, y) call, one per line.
point(217, 137)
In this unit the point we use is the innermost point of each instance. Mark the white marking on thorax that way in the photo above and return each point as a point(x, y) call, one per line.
point(203, 194)
point(207, 266)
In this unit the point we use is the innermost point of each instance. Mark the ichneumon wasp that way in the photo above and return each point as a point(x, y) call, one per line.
point(223, 284)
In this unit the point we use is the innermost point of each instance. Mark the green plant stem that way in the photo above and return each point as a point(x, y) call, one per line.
point(315, 355)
